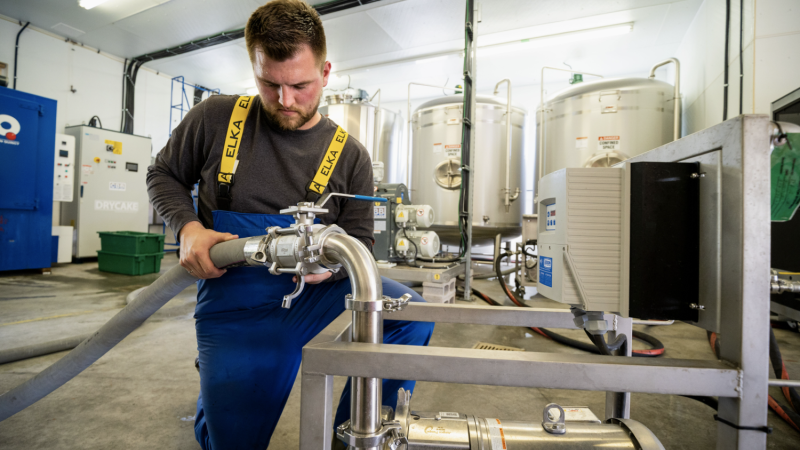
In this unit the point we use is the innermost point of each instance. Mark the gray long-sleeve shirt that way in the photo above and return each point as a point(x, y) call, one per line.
point(275, 167)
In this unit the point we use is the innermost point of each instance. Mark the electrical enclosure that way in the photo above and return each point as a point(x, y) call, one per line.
point(111, 190)
point(27, 134)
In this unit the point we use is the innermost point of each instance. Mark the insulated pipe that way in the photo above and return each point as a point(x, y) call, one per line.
point(676, 125)
point(166, 287)
point(45, 348)
point(365, 400)
point(508, 198)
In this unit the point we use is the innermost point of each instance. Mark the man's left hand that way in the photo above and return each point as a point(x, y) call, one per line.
point(315, 278)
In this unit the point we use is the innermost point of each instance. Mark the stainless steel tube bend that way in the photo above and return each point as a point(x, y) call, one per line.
point(365, 402)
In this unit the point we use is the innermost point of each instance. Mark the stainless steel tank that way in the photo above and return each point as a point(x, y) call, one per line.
point(601, 123)
point(436, 158)
point(353, 112)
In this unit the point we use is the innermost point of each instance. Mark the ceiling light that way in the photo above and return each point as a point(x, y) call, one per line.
point(252, 91)
point(557, 39)
point(89, 4)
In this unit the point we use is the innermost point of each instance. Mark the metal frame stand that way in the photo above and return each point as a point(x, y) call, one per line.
point(735, 237)
point(183, 96)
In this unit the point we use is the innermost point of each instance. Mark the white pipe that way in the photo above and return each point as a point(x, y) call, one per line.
point(676, 96)
point(378, 125)
point(784, 383)
point(508, 198)
point(408, 128)
point(540, 151)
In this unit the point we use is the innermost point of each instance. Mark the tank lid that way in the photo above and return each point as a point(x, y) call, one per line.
point(608, 84)
point(459, 99)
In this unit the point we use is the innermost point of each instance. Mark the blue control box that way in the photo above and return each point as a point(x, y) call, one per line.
point(27, 143)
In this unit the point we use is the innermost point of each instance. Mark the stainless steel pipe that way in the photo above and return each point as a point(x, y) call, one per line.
point(365, 400)
point(676, 127)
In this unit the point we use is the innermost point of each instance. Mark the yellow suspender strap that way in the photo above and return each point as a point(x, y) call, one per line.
point(227, 166)
point(328, 164)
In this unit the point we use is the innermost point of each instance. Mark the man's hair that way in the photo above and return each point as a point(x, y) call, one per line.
point(281, 27)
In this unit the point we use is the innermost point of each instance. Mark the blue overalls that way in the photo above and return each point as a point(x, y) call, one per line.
point(250, 347)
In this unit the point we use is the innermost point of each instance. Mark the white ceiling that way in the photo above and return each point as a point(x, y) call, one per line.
point(367, 43)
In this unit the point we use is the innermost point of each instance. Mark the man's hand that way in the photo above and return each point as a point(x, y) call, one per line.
point(196, 241)
point(315, 278)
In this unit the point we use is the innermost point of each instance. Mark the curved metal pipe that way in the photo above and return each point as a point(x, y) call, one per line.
point(508, 198)
point(365, 401)
point(676, 96)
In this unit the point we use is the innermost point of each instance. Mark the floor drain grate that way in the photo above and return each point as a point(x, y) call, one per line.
point(488, 346)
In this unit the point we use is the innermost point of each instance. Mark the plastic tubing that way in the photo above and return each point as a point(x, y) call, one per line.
point(149, 301)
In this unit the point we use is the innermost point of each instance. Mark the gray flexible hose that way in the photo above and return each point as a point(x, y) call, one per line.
point(45, 348)
point(115, 330)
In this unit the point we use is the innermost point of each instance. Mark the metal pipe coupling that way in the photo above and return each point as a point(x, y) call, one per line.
point(560, 428)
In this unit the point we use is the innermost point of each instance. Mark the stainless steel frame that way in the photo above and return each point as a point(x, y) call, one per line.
point(739, 150)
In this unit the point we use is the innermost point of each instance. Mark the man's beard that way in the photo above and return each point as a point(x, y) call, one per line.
point(290, 123)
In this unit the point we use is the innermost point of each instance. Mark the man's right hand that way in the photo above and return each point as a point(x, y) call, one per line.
point(196, 241)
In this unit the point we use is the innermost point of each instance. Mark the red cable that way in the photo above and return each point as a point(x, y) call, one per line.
point(775, 406)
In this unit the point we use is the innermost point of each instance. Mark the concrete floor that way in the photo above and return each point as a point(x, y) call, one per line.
point(142, 394)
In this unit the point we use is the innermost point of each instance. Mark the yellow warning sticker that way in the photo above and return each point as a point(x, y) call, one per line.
point(436, 276)
point(114, 147)
point(401, 214)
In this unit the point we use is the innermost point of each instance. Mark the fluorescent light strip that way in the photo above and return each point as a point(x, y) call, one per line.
point(89, 4)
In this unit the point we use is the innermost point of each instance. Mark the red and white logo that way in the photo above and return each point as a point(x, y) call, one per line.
point(9, 126)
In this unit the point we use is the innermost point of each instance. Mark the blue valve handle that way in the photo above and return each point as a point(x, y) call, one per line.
point(370, 199)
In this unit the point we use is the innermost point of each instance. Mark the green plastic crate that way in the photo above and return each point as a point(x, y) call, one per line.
point(131, 242)
point(129, 264)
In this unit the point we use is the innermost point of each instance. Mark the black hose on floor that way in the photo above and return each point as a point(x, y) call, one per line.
point(657, 346)
point(789, 416)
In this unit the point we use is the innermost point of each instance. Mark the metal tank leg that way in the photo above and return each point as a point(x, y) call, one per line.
point(618, 404)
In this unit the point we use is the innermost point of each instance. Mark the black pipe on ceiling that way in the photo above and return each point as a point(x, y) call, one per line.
point(132, 69)
point(16, 52)
point(727, 45)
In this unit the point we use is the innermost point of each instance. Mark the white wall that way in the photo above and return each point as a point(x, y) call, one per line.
point(771, 63)
point(52, 68)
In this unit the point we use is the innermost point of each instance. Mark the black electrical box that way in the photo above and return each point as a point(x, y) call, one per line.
point(665, 240)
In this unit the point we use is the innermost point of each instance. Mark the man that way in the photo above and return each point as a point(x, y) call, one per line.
point(250, 347)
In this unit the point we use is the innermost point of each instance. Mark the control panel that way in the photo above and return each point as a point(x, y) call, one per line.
point(64, 168)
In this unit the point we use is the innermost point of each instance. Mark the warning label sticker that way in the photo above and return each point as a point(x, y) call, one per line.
point(453, 150)
point(582, 142)
point(608, 143)
point(496, 434)
point(437, 147)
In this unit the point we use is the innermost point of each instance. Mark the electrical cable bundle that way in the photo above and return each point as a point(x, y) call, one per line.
point(95, 122)
point(787, 414)
point(657, 350)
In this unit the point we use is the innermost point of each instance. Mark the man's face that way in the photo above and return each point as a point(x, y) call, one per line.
point(291, 90)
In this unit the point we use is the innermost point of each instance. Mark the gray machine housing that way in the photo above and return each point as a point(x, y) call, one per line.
point(110, 193)
point(385, 227)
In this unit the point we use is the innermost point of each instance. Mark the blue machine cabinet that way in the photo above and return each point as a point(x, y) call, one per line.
point(27, 140)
